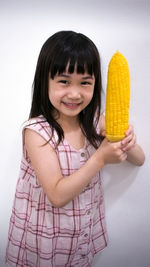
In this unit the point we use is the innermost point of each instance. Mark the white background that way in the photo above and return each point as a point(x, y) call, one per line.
point(112, 25)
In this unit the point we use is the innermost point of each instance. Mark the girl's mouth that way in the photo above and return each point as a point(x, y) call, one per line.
point(71, 105)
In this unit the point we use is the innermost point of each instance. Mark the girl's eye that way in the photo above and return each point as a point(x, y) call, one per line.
point(85, 83)
point(63, 82)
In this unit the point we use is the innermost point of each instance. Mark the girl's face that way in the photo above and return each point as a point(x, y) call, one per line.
point(71, 93)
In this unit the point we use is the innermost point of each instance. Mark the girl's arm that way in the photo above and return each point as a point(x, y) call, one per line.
point(135, 154)
point(61, 190)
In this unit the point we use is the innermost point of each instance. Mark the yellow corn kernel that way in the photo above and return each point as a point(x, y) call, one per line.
point(117, 98)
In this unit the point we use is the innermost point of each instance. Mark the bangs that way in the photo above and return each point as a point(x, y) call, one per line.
point(70, 61)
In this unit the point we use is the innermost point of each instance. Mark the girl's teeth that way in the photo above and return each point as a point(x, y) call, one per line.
point(71, 105)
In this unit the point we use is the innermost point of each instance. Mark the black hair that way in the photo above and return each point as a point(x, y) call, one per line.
point(79, 51)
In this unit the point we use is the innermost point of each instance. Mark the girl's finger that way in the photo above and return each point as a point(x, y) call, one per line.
point(126, 140)
point(130, 130)
point(130, 144)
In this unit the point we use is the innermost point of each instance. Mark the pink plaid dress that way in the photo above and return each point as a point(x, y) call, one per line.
point(41, 235)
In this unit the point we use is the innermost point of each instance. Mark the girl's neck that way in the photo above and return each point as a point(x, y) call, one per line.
point(72, 131)
point(68, 123)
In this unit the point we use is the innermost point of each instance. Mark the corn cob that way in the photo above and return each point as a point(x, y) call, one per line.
point(117, 98)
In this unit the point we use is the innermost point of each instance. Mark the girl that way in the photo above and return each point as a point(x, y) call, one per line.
point(58, 213)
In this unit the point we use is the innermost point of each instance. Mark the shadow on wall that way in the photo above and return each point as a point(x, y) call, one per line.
point(117, 179)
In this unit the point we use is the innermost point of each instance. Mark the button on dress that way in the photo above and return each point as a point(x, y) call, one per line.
point(41, 235)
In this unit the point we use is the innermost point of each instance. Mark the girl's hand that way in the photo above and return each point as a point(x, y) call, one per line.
point(130, 140)
point(111, 152)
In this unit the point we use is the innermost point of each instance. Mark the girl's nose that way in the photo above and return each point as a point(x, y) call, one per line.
point(74, 93)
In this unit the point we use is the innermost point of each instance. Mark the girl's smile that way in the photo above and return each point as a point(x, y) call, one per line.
point(71, 105)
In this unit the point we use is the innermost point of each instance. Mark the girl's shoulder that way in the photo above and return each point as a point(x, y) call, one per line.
point(40, 125)
point(39, 120)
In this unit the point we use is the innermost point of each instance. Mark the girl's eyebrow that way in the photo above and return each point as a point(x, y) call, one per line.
point(87, 77)
point(67, 76)
point(63, 75)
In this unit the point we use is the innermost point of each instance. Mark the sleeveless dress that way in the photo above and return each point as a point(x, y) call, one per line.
point(41, 235)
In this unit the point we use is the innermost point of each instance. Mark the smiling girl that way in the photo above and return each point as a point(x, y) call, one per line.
point(58, 212)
